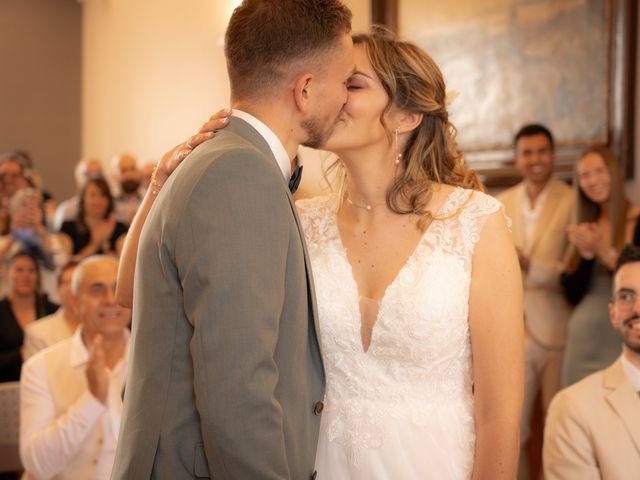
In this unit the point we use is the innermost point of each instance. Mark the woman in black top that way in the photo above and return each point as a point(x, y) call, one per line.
point(606, 220)
point(96, 230)
point(22, 306)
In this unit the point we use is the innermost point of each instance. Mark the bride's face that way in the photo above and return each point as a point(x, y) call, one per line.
point(358, 125)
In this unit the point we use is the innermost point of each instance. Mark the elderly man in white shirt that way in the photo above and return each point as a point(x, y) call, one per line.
point(70, 403)
point(58, 326)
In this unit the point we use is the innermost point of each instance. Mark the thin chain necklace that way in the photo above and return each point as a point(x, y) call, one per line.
point(367, 206)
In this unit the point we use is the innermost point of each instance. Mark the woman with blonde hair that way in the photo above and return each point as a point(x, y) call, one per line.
point(22, 305)
point(417, 282)
point(605, 221)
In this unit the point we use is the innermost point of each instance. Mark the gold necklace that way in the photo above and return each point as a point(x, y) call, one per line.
point(367, 206)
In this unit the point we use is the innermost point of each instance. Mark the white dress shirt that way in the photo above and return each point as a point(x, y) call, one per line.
point(537, 274)
point(65, 432)
point(632, 372)
point(45, 332)
point(531, 214)
point(277, 148)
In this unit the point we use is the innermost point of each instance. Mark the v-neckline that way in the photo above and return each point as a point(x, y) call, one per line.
point(409, 260)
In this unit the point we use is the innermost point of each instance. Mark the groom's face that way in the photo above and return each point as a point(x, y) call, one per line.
point(330, 94)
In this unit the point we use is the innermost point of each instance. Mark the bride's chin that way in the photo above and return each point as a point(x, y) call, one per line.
point(334, 147)
point(336, 143)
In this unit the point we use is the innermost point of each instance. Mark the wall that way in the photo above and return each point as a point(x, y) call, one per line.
point(154, 71)
point(40, 85)
point(633, 186)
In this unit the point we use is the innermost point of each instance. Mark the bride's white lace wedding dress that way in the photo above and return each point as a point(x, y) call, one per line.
point(403, 409)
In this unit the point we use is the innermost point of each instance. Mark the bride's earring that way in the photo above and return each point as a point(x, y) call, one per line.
point(398, 153)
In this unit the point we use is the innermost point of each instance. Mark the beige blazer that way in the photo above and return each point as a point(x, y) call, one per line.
point(225, 368)
point(593, 429)
point(546, 311)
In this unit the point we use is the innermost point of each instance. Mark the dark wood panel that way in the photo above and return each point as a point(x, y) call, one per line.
point(613, 87)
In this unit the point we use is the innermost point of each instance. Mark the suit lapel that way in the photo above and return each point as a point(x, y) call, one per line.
point(307, 263)
point(249, 133)
point(624, 400)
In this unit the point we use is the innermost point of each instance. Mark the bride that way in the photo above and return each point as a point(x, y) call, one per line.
point(417, 282)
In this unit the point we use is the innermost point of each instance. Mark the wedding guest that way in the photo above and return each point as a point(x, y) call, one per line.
point(540, 208)
point(22, 306)
point(70, 394)
point(606, 220)
point(57, 326)
point(593, 426)
point(127, 175)
point(28, 233)
point(12, 176)
point(86, 169)
point(26, 161)
point(95, 230)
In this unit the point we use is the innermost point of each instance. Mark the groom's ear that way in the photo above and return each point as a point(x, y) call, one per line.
point(302, 90)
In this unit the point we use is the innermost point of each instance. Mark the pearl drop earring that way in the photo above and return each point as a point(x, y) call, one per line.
point(398, 153)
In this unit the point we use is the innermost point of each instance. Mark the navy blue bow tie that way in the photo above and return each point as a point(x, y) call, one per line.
point(294, 181)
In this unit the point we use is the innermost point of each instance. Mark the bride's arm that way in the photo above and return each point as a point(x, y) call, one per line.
point(165, 167)
point(497, 342)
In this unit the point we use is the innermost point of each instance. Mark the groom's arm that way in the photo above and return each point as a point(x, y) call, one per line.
point(234, 240)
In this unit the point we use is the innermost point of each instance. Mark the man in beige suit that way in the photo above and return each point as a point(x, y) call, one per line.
point(540, 208)
point(593, 426)
point(226, 379)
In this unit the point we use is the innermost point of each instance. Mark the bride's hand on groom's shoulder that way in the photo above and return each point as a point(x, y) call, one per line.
point(174, 157)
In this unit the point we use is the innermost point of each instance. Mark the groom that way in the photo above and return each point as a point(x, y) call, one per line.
point(225, 376)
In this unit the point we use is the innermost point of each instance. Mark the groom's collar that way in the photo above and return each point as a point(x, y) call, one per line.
point(271, 138)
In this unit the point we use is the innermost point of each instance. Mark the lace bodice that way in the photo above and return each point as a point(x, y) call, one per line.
point(419, 358)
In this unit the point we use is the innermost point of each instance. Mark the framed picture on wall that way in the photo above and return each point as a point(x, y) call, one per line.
point(568, 64)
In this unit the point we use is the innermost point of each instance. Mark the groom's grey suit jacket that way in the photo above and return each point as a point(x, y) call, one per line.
point(224, 369)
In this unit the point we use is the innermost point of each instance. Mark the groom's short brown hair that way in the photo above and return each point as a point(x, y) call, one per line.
point(264, 37)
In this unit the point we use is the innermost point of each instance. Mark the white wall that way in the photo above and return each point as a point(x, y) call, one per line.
point(154, 71)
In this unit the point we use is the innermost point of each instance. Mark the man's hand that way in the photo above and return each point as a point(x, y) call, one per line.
point(97, 375)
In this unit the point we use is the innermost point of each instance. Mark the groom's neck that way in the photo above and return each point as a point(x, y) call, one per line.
point(279, 117)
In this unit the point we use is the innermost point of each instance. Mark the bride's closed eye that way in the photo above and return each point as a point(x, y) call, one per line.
point(355, 83)
point(358, 81)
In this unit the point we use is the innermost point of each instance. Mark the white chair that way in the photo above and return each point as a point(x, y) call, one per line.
point(10, 427)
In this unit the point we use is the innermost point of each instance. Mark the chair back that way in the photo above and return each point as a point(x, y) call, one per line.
point(10, 427)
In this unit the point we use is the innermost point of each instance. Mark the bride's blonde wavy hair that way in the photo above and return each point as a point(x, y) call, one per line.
point(414, 82)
